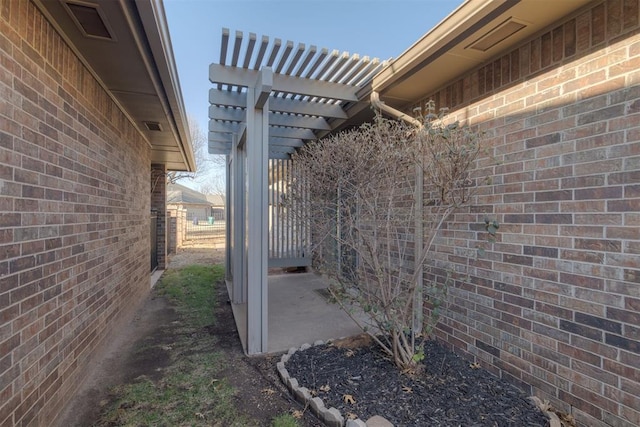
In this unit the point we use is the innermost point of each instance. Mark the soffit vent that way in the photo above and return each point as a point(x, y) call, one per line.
point(499, 33)
point(153, 126)
point(90, 20)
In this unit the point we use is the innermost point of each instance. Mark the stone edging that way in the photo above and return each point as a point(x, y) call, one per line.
point(329, 416)
point(332, 417)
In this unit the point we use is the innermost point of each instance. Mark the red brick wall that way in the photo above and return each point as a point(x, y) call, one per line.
point(554, 304)
point(74, 222)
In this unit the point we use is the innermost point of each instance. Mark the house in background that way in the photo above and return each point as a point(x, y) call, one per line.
point(91, 118)
point(218, 205)
point(554, 305)
point(196, 205)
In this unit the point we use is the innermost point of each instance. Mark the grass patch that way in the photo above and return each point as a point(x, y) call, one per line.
point(189, 393)
point(284, 420)
point(191, 288)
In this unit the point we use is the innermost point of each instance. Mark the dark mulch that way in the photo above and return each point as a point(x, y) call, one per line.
point(449, 392)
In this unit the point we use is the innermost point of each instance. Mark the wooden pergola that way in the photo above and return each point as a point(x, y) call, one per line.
point(267, 100)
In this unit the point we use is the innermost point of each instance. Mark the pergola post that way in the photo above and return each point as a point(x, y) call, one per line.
point(257, 149)
point(228, 220)
point(236, 226)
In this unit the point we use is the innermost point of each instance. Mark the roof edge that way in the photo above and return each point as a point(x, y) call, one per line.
point(436, 42)
point(156, 29)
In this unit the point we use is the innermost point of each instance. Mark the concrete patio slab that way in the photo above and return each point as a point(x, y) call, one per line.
point(299, 313)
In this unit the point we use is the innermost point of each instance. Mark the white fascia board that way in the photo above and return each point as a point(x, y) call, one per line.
point(236, 76)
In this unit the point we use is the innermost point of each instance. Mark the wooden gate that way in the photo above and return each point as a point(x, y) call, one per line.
point(289, 235)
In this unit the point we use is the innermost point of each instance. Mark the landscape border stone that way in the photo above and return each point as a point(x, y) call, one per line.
point(329, 416)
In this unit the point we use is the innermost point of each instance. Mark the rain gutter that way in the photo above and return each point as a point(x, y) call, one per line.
point(397, 114)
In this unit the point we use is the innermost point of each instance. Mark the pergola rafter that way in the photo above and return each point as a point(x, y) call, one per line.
point(312, 89)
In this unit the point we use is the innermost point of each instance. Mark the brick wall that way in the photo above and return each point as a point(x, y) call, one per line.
point(158, 204)
point(177, 223)
point(74, 223)
point(172, 232)
point(554, 304)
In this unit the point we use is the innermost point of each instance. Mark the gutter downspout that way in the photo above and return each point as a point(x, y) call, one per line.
point(418, 316)
point(380, 105)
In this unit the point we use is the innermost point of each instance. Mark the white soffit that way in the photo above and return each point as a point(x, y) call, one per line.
point(476, 33)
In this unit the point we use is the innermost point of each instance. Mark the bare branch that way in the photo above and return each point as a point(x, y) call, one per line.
point(204, 161)
point(363, 215)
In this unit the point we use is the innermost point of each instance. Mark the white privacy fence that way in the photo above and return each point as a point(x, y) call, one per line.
point(289, 235)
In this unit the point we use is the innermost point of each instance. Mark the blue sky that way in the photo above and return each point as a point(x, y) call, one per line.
point(377, 28)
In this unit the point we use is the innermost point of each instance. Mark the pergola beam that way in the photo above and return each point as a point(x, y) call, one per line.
point(227, 114)
point(219, 148)
point(288, 142)
point(315, 123)
point(223, 140)
point(284, 105)
point(281, 149)
point(239, 115)
point(279, 132)
point(225, 137)
point(236, 76)
point(295, 133)
point(224, 127)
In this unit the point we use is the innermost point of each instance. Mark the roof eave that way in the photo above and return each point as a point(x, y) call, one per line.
point(136, 68)
point(451, 49)
point(435, 40)
point(155, 25)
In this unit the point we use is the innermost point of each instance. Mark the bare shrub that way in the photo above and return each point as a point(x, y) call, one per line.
point(364, 204)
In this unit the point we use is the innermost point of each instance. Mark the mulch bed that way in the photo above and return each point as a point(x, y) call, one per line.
point(449, 392)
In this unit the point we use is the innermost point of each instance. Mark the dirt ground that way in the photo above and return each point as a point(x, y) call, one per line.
point(259, 392)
